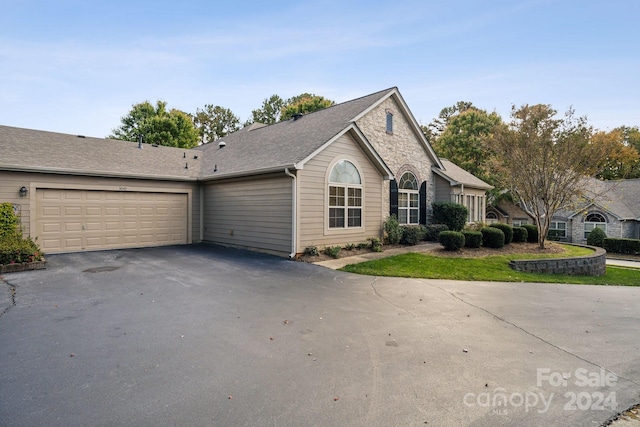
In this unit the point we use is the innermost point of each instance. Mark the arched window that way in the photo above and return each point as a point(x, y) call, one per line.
point(345, 196)
point(408, 199)
point(594, 220)
point(491, 217)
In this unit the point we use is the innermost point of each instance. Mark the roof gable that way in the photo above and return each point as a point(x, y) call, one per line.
point(456, 176)
point(288, 144)
point(404, 108)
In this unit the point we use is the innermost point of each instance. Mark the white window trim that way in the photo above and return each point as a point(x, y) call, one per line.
point(408, 208)
point(346, 229)
point(601, 225)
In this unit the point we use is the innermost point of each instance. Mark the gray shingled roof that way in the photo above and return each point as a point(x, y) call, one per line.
point(620, 198)
point(34, 150)
point(456, 175)
point(283, 144)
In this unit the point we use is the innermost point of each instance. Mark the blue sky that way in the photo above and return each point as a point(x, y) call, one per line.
point(78, 66)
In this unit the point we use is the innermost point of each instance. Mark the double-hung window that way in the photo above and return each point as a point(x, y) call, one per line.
point(408, 199)
point(557, 229)
point(345, 196)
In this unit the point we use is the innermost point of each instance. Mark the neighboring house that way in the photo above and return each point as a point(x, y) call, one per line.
point(330, 177)
point(613, 206)
point(507, 212)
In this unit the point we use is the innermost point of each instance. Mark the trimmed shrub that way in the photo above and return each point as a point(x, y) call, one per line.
point(506, 229)
point(393, 230)
point(520, 234)
point(621, 246)
point(349, 246)
point(432, 231)
point(9, 221)
point(411, 234)
point(472, 238)
point(451, 240)
point(532, 232)
point(362, 245)
point(596, 237)
point(452, 214)
point(311, 250)
point(492, 237)
point(14, 250)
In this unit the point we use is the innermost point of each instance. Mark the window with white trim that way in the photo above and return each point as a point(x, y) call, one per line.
point(519, 222)
point(408, 199)
point(491, 218)
point(557, 229)
point(594, 220)
point(345, 196)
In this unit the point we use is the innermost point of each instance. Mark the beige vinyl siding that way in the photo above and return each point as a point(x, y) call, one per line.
point(253, 213)
point(443, 189)
point(313, 202)
point(10, 183)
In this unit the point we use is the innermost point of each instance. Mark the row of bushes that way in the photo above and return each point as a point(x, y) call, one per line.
point(621, 246)
point(15, 249)
point(494, 236)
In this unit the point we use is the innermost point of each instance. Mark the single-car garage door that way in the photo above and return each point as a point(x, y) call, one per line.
point(79, 220)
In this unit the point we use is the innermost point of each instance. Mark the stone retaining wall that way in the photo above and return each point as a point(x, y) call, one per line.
point(23, 266)
point(588, 265)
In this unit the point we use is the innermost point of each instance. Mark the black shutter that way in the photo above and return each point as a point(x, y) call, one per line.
point(423, 203)
point(393, 197)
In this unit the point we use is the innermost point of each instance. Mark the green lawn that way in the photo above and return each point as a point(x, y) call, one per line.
point(492, 268)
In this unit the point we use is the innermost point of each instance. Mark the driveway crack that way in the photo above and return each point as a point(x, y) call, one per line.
point(12, 291)
point(532, 334)
point(375, 291)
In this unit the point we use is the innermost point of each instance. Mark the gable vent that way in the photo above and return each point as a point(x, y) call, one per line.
point(222, 144)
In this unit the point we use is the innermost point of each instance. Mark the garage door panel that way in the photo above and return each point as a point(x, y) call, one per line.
point(72, 211)
point(130, 211)
point(93, 211)
point(76, 220)
point(70, 227)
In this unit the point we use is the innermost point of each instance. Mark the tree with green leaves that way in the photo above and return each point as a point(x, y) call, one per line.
point(215, 122)
point(623, 159)
point(544, 161)
point(270, 111)
point(173, 128)
point(466, 141)
point(438, 125)
point(303, 104)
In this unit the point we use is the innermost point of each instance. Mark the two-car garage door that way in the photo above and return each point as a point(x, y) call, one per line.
point(79, 220)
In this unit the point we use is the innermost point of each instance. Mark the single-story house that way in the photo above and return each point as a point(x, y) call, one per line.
point(507, 212)
point(613, 206)
point(326, 178)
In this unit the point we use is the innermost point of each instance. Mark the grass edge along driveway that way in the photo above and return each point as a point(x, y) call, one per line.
point(491, 268)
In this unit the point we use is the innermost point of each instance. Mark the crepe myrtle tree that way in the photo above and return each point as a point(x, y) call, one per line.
point(544, 161)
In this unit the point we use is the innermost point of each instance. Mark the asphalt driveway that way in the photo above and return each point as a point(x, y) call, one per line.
point(210, 336)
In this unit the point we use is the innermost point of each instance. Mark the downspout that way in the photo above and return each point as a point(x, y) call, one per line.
point(294, 203)
point(201, 185)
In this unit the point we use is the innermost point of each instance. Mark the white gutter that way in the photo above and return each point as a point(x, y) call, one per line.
point(292, 255)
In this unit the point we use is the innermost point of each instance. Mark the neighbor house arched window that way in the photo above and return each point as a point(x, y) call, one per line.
point(345, 196)
point(594, 220)
point(408, 199)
